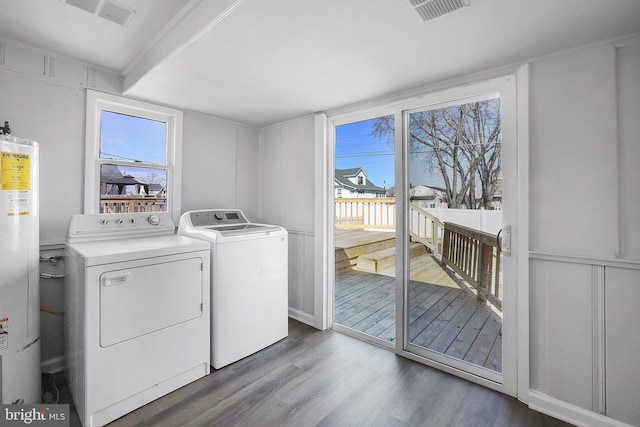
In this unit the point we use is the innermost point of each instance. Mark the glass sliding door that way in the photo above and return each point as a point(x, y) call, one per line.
point(427, 266)
point(455, 200)
point(364, 230)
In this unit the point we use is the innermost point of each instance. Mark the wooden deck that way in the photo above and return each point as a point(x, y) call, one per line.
point(445, 314)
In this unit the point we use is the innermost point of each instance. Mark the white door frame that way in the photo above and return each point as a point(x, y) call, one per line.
point(505, 87)
point(517, 354)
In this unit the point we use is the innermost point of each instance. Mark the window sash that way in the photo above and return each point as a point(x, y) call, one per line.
point(98, 102)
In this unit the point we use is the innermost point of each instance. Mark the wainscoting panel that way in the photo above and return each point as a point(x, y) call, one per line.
point(623, 344)
point(301, 262)
point(561, 337)
point(585, 345)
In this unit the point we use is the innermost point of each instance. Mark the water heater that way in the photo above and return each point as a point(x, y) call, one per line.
point(19, 272)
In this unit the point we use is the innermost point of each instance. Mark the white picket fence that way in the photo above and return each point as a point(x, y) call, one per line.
point(380, 213)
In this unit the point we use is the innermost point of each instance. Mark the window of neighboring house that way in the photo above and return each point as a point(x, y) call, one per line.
point(360, 180)
point(132, 157)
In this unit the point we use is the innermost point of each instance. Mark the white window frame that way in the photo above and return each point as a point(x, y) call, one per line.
point(98, 102)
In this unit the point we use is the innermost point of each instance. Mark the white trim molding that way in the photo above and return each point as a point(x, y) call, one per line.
point(301, 316)
point(570, 413)
point(579, 259)
point(598, 334)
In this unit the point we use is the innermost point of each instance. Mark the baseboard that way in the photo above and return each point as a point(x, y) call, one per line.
point(570, 413)
point(301, 316)
point(52, 366)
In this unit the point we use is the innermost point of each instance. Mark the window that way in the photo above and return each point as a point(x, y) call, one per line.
point(132, 156)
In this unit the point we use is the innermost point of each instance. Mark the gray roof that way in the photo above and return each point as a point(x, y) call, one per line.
point(342, 180)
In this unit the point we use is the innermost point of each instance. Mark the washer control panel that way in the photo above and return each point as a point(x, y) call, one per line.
point(101, 226)
point(217, 217)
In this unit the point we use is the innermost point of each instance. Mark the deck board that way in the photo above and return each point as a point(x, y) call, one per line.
point(447, 319)
point(427, 334)
point(445, 338)
point(468, 335)
point(481, 348)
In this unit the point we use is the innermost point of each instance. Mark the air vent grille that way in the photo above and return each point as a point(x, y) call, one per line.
point(432, 9)
point(116, 12)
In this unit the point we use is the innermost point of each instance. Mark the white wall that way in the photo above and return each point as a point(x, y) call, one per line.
point(287, 163)
point(584, 269)
point(50, 112)
point(220, 159)
point(573, 153)
point(629, 149)
point(219, 168)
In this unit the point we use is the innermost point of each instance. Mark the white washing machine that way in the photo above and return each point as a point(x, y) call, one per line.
point(249, 281)
point(137, 312)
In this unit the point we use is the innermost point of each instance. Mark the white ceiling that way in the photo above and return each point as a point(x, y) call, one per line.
point(260, 62)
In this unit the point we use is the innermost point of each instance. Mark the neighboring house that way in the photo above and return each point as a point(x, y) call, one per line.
point(427, 197)
point(354, 183)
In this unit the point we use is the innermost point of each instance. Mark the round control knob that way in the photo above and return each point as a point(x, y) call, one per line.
point(154, 219)
point(119, 221)
point(219, 216)
point(104, 221)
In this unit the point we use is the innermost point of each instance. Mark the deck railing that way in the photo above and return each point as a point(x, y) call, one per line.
point(426, 229)
point(475, 256)
point(471, 253)
point(123, 204)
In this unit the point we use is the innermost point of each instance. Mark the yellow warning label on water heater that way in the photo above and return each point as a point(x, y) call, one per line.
point(16, 171)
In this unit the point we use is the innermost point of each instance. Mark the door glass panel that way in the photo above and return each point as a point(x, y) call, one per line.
point(455, 271)
point(364, 228)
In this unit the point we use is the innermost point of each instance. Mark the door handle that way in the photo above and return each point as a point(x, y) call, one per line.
point(116, 280)
point(503, 240)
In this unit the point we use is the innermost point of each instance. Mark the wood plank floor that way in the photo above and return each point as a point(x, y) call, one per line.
point(446, 319)
point(324, 378)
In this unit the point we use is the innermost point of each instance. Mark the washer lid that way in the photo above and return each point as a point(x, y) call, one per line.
point(235, 230)
point(130, 249)
point(219, 225)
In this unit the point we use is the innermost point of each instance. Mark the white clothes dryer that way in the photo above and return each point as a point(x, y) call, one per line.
point(249, 281)
point(137, 312)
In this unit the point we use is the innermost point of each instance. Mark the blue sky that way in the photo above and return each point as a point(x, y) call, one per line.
point(125, 137)
point(135, 139)
point(356, 147)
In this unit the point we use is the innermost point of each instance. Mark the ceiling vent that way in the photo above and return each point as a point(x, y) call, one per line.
point(432, 9)
point(110, 10)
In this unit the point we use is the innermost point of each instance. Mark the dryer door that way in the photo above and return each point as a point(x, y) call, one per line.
point(143, 299)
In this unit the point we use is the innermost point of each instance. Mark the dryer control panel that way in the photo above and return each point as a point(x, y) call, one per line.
point(83, 228)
